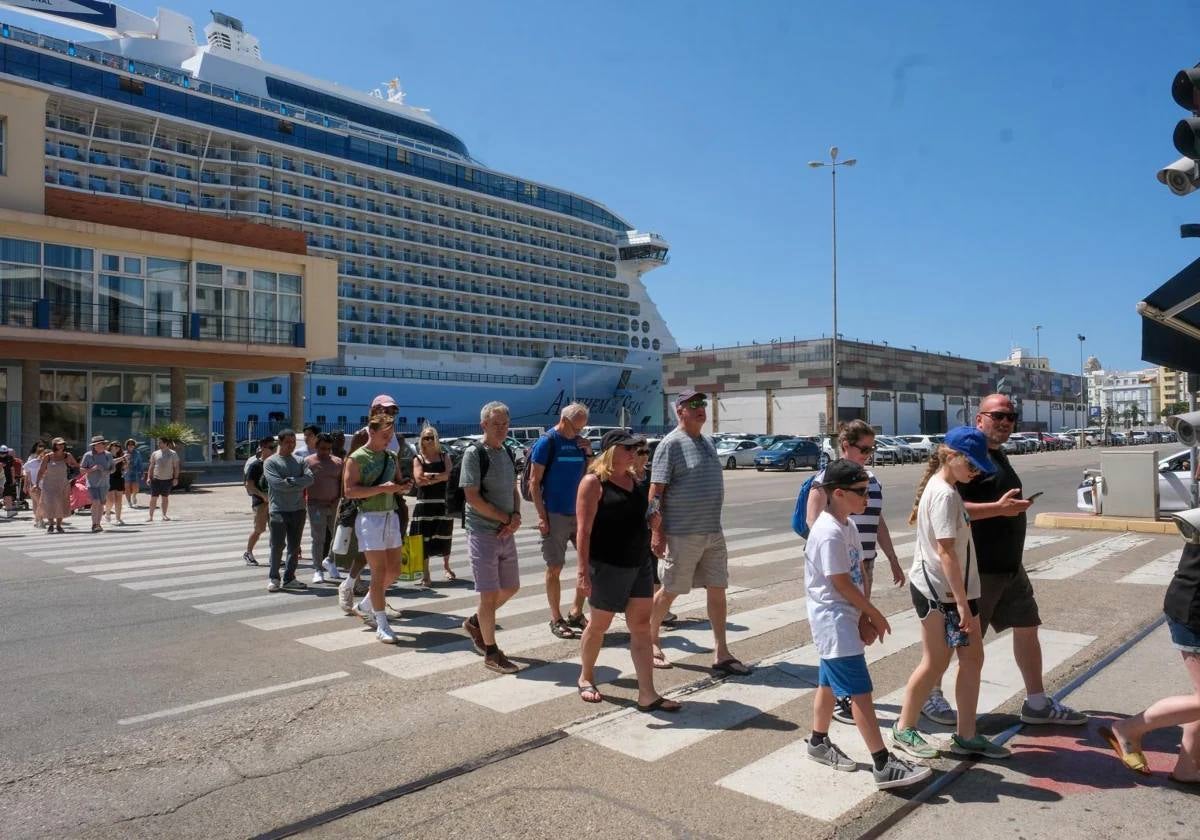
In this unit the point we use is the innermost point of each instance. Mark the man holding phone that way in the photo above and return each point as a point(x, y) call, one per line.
point(997, 512)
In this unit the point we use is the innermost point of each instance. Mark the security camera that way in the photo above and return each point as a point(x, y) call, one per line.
point(1181, 177)
point(1188, 524)
point(1185, 425)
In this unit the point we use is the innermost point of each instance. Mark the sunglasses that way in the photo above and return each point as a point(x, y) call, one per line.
point(694, 404)
point(427, 437)
point(866, 450)
point(998, 416)
point(630, 447)
point(858, 491)
point(643, 452)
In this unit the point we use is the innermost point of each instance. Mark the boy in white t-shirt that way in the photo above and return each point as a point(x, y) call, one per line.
point(843, 620)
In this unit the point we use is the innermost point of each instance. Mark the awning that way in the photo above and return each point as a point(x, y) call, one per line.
point(1171, 323)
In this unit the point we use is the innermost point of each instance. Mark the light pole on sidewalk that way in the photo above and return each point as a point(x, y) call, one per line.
point(1037, 366)
point(1083, 393)
point(833, 163)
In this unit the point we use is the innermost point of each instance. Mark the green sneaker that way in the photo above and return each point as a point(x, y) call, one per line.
point(911, 741)
point(979, 746)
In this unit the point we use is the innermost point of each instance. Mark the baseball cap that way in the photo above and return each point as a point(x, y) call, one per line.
point(4, 450)
point(384, 401)
point(843, 473)
point(686, 396)
point(619, 437)
point(972, 443)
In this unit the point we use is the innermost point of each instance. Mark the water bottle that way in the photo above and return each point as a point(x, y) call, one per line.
point(341, 540)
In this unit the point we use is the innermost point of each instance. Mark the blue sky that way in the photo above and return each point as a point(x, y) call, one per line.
point(1006, 153)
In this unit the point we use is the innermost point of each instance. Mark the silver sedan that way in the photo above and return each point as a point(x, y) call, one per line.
point(737, 453)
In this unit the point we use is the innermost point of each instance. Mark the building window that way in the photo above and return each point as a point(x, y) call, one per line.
point(252, 388)
point(3, 147)
point(341, 392)
point(342, 420)
point(321, 390)
point(252, 418)
point(320, 420)
point(276, 388)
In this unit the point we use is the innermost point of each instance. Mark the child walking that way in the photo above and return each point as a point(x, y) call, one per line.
point(843, 620)
point(944, 583)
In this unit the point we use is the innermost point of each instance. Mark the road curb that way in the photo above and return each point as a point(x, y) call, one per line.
point(1091, 522)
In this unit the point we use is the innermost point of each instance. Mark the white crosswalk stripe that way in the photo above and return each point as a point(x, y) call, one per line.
point(1071, 563)
point(1158, 572)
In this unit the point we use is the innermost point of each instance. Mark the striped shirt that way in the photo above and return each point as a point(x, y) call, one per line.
point(868, 520)
point(692, 471)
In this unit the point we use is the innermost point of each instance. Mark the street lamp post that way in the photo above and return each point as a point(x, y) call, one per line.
point(1037, 366)
point(1083, 393)
point(833, 163)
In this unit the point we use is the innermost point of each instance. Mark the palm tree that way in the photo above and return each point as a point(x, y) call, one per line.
point(1132, 414)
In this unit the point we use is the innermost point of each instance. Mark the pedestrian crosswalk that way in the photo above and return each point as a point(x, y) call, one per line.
point(197, 566)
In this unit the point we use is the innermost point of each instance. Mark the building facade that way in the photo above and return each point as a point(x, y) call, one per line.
point(115, 315)
point(786, 388)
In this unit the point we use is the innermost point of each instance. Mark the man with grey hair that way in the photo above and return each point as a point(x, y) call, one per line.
point(687, 490)
point(489, 482)
point(553, 492)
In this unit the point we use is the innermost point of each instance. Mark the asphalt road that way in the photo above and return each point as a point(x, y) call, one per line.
point(152, 688)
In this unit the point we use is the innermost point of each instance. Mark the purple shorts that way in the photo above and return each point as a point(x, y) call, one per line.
point(493, 561)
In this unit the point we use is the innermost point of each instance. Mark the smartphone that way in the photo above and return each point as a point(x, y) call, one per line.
point(1034, 496)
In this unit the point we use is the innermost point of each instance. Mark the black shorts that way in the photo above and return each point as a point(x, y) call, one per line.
point(1008, 601)
point(10, 490)
point(613, 586)
point(160, 486)
point(922, 605)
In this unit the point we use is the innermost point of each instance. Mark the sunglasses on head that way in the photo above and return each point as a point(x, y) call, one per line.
point(1010, 416)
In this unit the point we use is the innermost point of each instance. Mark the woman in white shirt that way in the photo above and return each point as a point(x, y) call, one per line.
point(944, 582)
point(30, 470)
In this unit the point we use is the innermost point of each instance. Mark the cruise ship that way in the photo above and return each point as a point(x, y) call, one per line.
point(458, 283)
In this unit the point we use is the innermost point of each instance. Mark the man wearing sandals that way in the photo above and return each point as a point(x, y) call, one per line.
point(686, 493)
point(556, 466)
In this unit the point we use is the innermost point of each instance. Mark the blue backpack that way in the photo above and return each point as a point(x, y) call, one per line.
point(800, 514)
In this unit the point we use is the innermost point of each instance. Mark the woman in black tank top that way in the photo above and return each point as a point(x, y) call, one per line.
point(615, 570)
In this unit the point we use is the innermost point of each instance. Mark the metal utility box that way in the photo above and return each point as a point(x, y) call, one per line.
point(1130, 482)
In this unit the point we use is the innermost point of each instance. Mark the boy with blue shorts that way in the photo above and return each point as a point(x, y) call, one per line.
point(843, 622)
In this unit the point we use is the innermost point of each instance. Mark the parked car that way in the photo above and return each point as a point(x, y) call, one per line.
point(1012, 446)
point(1174, 485)
point(1029, 441)
point(1117, 439)
point(1137, 438)
point(906, 453)
point(787, 455)
point(923, 445)
point(766, 440)
point(736, 453)
point(887, 453)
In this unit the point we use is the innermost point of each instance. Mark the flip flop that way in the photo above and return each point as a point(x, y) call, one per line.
point(660, 661)
point(590, 688)
point(662, 704)
point(449, 576)
point(1135, 761)
point(731, 667)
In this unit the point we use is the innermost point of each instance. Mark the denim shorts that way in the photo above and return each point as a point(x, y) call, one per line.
point(1183, 637)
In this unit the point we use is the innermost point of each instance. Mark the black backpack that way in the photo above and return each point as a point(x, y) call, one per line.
point(526, 493)
point(456, 497)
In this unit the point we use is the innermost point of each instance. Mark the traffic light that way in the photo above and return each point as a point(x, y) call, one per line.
point(1183, 176)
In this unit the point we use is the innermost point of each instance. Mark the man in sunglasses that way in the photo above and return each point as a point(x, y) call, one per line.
point(1007, 600)
point(687, 489)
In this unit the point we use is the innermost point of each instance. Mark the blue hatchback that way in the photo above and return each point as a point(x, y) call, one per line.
point(787, 455)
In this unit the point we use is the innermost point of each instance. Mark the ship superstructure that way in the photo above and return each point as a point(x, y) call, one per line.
point(458, 283)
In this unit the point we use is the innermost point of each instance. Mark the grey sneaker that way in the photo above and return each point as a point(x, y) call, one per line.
point(1052, 712)
point(294, 584)
point(899, 773)
point(273, 586)
point(938, 710)
point(843, 712)
point(829, 755)
point(911, 741)
point(979, 746)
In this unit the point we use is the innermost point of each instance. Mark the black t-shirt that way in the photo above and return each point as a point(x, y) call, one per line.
point(1000, 540)
point(1183, 594)
point(254, 473)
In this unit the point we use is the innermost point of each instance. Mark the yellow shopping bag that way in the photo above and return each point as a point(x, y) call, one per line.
point(412, 560)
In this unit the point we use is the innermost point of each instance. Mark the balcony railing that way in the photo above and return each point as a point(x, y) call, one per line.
point(116, 318)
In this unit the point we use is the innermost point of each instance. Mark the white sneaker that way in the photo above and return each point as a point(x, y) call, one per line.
point(346, 597)
point(318, 577)
point(273, 586)
point(385, 634)
point(331, 570)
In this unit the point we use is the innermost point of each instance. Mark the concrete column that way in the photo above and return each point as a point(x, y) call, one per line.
point(296, 404)
point(770, 411)
point(230, 395)
point(31, 403)
point(179, 397)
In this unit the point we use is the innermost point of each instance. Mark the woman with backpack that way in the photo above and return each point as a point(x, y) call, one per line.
point(431, 519)
point(856, 440)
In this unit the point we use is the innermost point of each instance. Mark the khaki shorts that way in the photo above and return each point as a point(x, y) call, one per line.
point(695, 560)
point(554, 544)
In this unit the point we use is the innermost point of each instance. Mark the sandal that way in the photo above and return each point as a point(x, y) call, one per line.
point(662, 704)
point(561, 629)
point(1134, 760)
point(579, 622)
point(660, 661)
point(731, 667)
point(450, 577)
point(588, 693)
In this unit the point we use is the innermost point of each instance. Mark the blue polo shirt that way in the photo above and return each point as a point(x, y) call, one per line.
point(561, 481)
